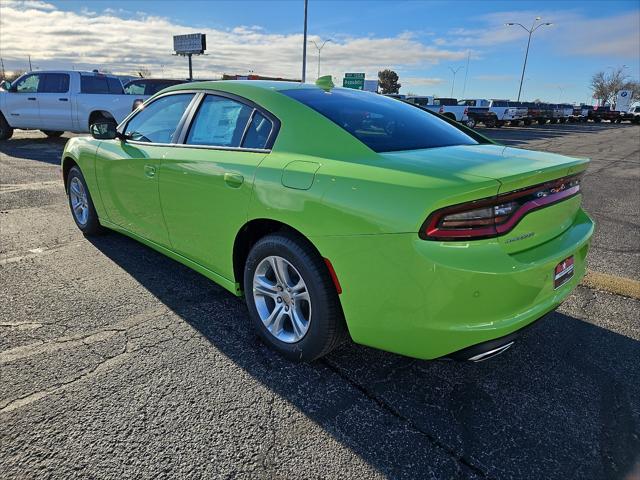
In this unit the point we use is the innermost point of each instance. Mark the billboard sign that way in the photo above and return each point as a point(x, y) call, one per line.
point(192, 43)
point(353, 80)
point(371, 86)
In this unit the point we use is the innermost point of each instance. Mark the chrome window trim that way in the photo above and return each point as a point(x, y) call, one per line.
point(186, 121)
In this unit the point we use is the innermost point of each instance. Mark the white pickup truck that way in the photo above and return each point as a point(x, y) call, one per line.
point(505, 112)
point(451, 108)
point(61, 101)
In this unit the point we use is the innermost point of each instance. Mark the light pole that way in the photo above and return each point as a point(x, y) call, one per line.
point(304, 44)
point(454, 71)
point(533, 28)
point(319, 50)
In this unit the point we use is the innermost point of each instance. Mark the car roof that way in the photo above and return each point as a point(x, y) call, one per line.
point(248, 84)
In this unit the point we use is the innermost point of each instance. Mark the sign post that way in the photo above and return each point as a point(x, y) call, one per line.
point(353, 80)
point(189, 45)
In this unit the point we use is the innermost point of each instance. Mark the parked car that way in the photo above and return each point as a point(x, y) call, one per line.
point(144, 88)
point(604, 112)
point(633, 115)
point(536, 112)
point(335, 212)
point(504, 110)
point(449, 107)
point(61, 101)
point(567, 112)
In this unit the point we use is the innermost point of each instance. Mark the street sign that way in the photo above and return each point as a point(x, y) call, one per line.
point(353, 80)
point(192, 43)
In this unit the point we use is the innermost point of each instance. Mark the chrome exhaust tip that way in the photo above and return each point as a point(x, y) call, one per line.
point(491, 353)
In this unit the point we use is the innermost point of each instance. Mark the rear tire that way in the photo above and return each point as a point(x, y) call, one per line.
point(542, 121)
point(528, 122)
point(52, 133)
point(6, 132)
point(275, 265)
point(81, 205)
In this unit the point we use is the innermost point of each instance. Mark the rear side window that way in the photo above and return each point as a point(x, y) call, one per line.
point(258, 132)
point(381, 123)
point(134, 88)
point(219, 122)
point(54, 83)
point(158, 121)
point(100, 84)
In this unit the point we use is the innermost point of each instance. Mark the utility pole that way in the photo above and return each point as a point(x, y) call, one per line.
point(30, 69)
point(454, 78)
point(304, 44)
point(2, 65)
point(190, 68)
point(533, 28)
point(319, 50)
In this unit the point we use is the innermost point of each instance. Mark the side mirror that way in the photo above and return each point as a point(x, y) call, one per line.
point(5, 85)
point(103, 131)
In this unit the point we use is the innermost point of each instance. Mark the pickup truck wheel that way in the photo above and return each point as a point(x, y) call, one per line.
point(292, 300)
point(528, 122)
point(470, 123)
point(515, 123)
point(542, 121)
point(597, 120)
point(6, 132)
point(52, 133)
point(82, 209)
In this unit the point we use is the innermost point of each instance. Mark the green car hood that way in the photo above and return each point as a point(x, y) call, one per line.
point(514, 168)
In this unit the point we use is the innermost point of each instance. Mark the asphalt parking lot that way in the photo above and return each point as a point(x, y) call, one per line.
point(117, 362)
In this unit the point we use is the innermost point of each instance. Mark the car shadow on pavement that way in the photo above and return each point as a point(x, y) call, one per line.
point(41, 149)
point(562, 403)
point(514, 136)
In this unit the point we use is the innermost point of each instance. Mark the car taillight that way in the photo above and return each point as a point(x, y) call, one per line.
point(466, 111)
point(441, 110)
point(495, 216)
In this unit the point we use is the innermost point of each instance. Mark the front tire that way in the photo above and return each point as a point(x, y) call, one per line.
point(6, 132)
point(292, 301)
point(81, 205)
point(52, 133)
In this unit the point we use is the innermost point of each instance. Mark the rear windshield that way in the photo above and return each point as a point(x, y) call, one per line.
point(381, 123)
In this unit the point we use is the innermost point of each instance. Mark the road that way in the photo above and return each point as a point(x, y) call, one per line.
point(117, 362)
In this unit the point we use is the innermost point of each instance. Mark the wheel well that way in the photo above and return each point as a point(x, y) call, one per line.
point(450, 115)
point(93, 116)
point(67, 164)
point(250, 233)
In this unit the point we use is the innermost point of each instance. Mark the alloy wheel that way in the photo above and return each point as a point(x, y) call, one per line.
point(79, 201)
point(282, 299)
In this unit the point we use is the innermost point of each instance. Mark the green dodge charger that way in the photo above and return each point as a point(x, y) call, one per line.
point(339, 213)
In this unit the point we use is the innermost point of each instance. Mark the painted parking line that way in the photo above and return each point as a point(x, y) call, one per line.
point(612, 284)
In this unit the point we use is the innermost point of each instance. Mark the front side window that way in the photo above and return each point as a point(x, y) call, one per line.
point(381, 123)
point(134, 88)
point(54, 83)
point(158, 121)
point(28, 84)
point(219, 122)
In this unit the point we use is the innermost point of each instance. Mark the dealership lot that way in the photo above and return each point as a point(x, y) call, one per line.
point(118, 362)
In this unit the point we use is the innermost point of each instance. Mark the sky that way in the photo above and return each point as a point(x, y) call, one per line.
point(422, 40)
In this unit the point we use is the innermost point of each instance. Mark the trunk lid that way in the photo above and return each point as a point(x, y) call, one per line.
point(514, 169)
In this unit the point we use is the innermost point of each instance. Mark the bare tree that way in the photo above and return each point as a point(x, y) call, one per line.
point(606, 86)
point(11, 76)
point(143, 72)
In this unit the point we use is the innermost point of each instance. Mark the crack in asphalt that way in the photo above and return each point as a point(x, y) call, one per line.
point(449, 451)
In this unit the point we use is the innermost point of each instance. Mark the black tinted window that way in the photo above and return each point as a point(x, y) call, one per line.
point(381, 123)
point(100, 84)
point(54, 83)
point(258, 132)
point(158, 121)
point(219, 122)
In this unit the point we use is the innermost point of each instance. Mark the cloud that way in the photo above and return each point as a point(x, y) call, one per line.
point(494, 78)
point(113, 40)
point(420, 81)
point(570, 34)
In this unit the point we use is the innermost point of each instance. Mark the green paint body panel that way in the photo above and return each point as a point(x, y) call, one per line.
point(360, 209)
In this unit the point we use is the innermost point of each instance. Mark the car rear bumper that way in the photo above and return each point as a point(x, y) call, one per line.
point(427, 299)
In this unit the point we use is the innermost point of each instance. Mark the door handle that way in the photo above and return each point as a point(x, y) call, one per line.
point(149, 171)
point(31, 98)
point(234, 180)
point(63, 99)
